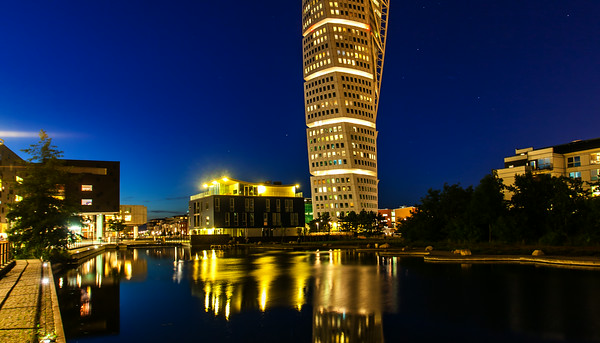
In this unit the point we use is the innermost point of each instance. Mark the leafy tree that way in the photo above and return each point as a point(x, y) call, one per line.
point(349, 222)
point(40, 220)
point(117, 226)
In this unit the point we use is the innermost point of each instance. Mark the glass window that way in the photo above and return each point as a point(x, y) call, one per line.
point(575, 175)
point(595, 158)
point(86, 188)
point(594, 174)
point(544, 163)
point(86, 202)
point(574, 161)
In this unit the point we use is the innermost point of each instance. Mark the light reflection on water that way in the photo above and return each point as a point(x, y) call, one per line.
point(337, 296)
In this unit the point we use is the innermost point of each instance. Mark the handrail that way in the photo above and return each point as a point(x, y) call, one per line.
point(5, 253)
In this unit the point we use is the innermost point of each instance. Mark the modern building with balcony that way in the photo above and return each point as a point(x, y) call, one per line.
point(343, 52)
point(247, 209)
point(578, 159)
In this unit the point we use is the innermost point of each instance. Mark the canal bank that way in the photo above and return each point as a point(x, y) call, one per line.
point(29, 309)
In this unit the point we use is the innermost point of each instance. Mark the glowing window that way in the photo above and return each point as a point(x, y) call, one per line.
point(86, 188)
point(86, 202)
point(127, 218)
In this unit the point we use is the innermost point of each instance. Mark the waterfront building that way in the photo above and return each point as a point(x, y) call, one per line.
point(133, 216)
point(343, 53)
point(93, 187)
point(247, 209)
point(11, 171)
point(578, 159)
point(395, 215)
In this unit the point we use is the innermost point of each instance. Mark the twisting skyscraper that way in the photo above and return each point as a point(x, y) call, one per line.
point(343, 48)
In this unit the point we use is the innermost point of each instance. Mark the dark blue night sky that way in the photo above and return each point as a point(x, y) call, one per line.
point(181, 91)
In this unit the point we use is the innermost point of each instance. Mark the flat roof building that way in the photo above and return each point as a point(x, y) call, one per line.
point(578, 159)
point(343, 51)
point(247, 209)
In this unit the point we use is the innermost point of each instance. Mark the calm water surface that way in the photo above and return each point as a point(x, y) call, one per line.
point(183, 295)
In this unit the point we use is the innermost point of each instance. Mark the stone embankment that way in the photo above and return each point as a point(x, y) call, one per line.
point(28, 304)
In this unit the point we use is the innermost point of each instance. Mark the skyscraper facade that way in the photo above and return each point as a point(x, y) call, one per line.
point(343, 53)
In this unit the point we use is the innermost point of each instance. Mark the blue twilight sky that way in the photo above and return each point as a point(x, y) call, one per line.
point(181, 91)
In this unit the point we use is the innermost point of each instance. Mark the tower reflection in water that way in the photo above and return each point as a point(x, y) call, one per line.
point(346, 297)
point(89, 295)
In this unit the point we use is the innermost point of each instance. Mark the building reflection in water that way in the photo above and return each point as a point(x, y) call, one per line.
point(89, 295)
point(347, 297)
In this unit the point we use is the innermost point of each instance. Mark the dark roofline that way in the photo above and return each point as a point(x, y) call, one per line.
point(574, 146)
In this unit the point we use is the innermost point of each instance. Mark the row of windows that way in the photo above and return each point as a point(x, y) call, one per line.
point(358, 80)
point(364, 155)
point(327, 147)
point(358, 96)
point(366, 180)
point(365, 163)
point(317, 65)
point(248, 205)
point(358, 104)
point(322, 113)
point(357, 88)
point(348, 13)
point(363, 147)
point(328, 154)
point(326, 189)
point(594, 174)
point(329, 163)
point(333, 197)
point(320, 98)
point(319, 81)
point(350, 46)
point(362, 138)
point(334, 205)
point(354, 63)
point(331, 180)
point(315, 58)
point(321, 105)
point(352, 54)
point(331, 129)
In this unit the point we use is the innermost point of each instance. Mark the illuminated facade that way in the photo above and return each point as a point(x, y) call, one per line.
point(94, 187)
point(343, 52)
point(247, 209)
point(578, 159)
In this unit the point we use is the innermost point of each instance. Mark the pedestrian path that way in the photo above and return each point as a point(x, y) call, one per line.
point(28, 305)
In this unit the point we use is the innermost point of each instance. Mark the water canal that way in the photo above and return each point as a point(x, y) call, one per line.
point(183, 295)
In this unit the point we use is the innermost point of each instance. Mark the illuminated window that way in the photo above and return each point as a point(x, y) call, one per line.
point(19, 179)
point(595, 191)
point(86, 188)
point(18, 198)
point(575, 175)
point(574, 161)
point(127, 218)
point(86, 202)
point(595, 158)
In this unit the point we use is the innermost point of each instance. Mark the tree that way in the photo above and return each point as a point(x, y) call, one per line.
point(117, 226)
point(40, 220)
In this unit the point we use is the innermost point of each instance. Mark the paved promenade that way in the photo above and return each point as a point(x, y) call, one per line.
point(28, 304)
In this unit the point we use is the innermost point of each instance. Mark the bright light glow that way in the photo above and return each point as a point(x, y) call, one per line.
point(340, 70)
point(341, 120)
point(261, 189)
point(344, 171)
point(214, 182)
point(205, 185)
point(336, 21)
point(225, 179)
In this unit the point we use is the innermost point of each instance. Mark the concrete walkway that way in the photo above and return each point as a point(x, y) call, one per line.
point(28, 304)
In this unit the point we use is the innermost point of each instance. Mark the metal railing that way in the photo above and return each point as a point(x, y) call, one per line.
point(5, 253)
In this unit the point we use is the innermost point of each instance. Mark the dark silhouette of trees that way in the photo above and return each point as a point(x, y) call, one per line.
point(543, 209)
